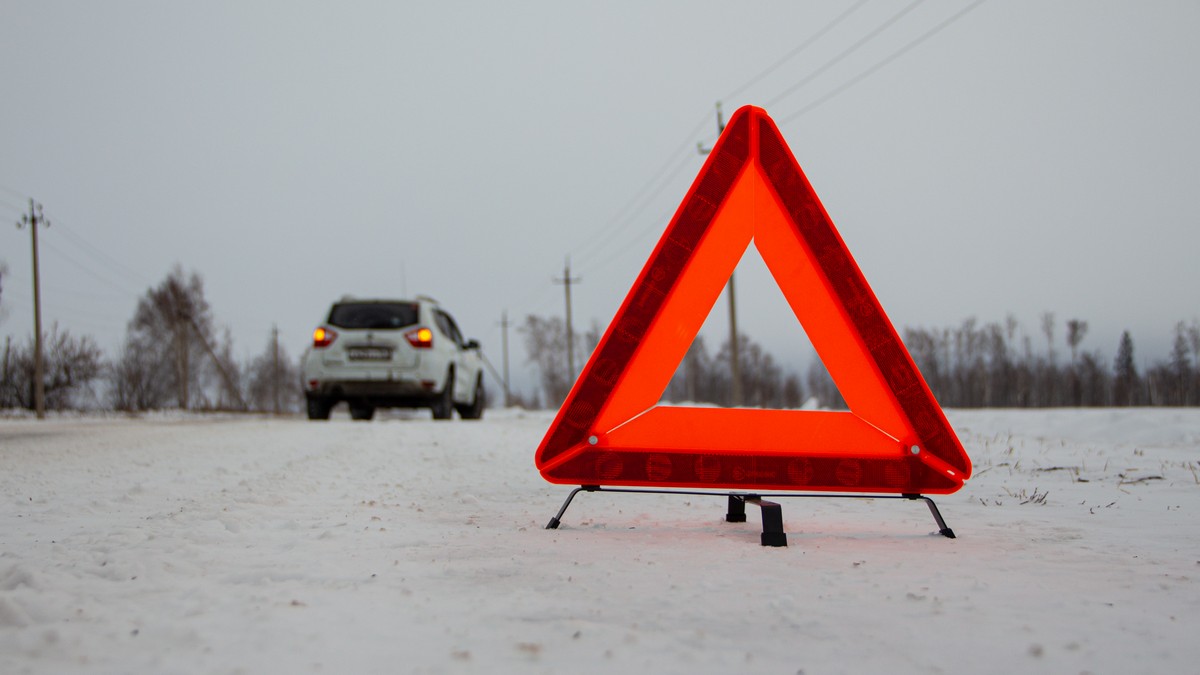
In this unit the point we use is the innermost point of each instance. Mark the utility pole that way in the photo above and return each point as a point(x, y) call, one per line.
point(275, 366)
point(230, 384)
point(504, 347)
point(33, 219)
point(735, 371)
point(7, 348)
point(566, 281)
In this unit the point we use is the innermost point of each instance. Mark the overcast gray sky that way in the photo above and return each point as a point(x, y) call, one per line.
point(1029, 156)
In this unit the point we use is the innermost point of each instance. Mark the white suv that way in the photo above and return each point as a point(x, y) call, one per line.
point(392, 353)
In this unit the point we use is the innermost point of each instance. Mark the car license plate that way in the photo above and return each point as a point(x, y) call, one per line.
point(369, 353)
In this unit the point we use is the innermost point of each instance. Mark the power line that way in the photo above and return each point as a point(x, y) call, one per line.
point(57, 310)
point(612, 235)
point(13, 192)
point(88, 248)
point(537, 297)
point(645, 196)
point(92, 293)
point(820, 70)
point(790, 55)
point(96, 253)
point(847, 52)
point(603, 230)
point(881, 64)
point(74, 322)
point(12, 205)
point(92, 250)
point(654, 226)
point(84, 267)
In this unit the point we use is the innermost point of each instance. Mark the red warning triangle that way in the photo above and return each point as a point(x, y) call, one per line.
point(611, 430)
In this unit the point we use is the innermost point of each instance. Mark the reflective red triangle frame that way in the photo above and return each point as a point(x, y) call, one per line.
point(611, 430)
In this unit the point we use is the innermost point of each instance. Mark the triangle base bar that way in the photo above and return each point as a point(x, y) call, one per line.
point(658, 467)
point(772, 514)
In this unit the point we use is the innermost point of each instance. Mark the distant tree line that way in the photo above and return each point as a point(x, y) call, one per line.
point(966, 366)
point(173, 357)
point(988, 365)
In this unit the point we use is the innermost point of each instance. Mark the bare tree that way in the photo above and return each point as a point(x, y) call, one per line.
point(793, 391)
point(227, 375)
point(171, 325)
point(591, 340)
point(3, 276)
point(137, 381)
point(925, 348)
point(8, 394)
point(1076, 330)
point(1181, 367)
point(1193, 333)
point(1126, 383)
point(546, 345)
point(691, 379)
point(822, 387)
point(1048, 331)
point(762, 379)
point(272, 379)
point(69, 365)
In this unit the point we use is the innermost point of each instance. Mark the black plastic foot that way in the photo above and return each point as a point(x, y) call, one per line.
point(774, 539)
point(736, 513)
point(553, 524)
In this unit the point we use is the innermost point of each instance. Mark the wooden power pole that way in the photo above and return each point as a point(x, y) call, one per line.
point(275, 368)
point(33, 219)
point(504, 347)
point(566, 281)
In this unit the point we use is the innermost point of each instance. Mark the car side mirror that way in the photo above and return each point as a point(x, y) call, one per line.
point(472, 344)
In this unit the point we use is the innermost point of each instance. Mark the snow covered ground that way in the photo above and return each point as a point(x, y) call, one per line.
point(250, 545)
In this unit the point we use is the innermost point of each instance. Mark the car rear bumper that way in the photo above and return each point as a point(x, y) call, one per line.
point(380, 393)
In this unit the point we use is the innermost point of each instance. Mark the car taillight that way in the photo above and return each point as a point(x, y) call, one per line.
point(323, 337)
point(420, 338)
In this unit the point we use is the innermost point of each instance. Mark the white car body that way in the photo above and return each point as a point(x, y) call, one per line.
point(379, 353)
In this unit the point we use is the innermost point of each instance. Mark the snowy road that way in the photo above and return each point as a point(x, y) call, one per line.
point(197, 545)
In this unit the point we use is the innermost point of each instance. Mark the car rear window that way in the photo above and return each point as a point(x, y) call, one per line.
point(373, 314)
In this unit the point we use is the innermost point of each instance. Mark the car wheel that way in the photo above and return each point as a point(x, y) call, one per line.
point(474, 411)
point(443, 405)
point(362, 412)
point(318, 408)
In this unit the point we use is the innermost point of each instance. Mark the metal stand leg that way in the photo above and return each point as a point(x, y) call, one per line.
point(937, 515)
point(736, 513)
point(554, 522)
point(772, 520)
